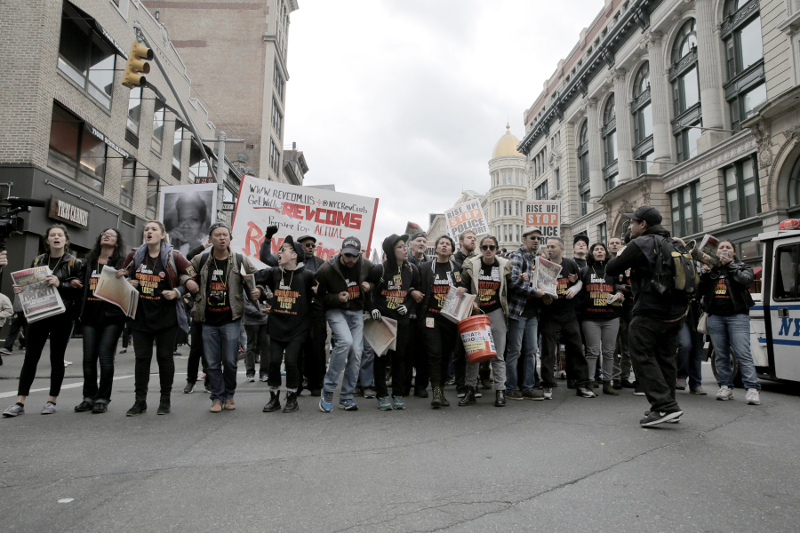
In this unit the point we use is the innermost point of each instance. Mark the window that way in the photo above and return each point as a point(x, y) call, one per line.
point(609, 132)
point(583, 168)
point(126, 186)
point(274, 158)
point(787, 275)
point(601, 229)
point(85, 58)
point(557, 175)
point(177, 145)
point(744, 58)
point(742, 193)
point(277, 118)
point(198, 168)
point(151, 208)
point(685, 92)
point(687, 210)
point(74, 151)
point(497, 208)
point(135, 110)
point(541, 192)
point(794, 187)
point(643, 147)
point(277, 81)
point(157, 140)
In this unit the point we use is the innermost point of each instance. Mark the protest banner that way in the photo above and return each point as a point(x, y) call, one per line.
point(328, 216)
point(187, 212)
point(545, 215)
point(466, 216)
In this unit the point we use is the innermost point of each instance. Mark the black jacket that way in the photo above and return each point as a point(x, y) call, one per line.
point(738, 278)
point(388, 295)
point(332, 282)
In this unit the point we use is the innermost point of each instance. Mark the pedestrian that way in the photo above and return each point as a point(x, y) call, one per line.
point(102, 323)
point(293, 291)
point(622, 355)
point(162, 276)
point(727, 301)
point(467, 243)
point(312, 359)
point(580, 247)
point(690, 352)
point(657, 318)
point(487, 276)
point(254, 320)
point(342, 288)
point(66, 273)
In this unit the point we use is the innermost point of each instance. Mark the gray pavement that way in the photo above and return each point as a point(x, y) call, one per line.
point(570, 464)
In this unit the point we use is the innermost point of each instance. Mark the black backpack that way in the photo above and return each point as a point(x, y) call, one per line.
point(675, 271)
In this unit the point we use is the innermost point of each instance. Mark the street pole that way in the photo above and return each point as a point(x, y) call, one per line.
point(222, 170)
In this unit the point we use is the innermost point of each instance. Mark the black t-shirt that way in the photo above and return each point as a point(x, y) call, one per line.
point(218, 301)
point(721, 304)
point(443, 279)
point(489, 287)
point(353, 288)
point(95, 309)
point(597, 287)
point(562, 308)
point(291, 304)
point(154, 312)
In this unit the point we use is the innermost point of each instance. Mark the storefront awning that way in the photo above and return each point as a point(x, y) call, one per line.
point(98, 29)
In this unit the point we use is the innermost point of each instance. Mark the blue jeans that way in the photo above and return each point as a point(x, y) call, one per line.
point(522, 336)
point(366, 376)
point(733, 333)
point(690, 355)
point(348, 331)
point(221, 345)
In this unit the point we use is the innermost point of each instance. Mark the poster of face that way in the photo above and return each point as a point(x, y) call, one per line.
point(187, 212)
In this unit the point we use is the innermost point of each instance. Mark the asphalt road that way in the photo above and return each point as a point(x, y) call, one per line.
point(569, 464)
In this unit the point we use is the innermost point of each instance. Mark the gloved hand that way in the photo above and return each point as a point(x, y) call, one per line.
point(270, 231)
point(376, 315)
point(402, 310)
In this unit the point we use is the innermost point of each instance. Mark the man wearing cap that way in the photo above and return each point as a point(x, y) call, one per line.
point(312, 361)
point(417, 352)
point(523, 304)
point(342, 289)
point(656, 320)
point(580, 246)
point(219, 307)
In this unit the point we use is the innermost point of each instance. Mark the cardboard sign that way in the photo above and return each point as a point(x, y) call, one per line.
point(466, 216)
point(545, 215)
point(327, 215)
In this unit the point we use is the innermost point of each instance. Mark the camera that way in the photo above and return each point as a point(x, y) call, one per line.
point(216, 299)
point(10, 221)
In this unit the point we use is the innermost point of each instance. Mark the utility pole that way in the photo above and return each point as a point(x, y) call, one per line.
point(222, 170)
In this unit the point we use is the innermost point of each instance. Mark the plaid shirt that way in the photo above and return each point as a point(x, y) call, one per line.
point(522, 262)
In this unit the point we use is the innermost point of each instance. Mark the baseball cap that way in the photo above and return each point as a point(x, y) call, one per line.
point(217, 225)
point(581, 237)
point(351, 245)
point(417, 235)
point(647, 213)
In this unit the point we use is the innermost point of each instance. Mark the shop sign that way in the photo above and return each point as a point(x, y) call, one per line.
point(66, 212)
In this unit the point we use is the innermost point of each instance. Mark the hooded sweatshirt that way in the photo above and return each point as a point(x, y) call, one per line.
point(394, 284)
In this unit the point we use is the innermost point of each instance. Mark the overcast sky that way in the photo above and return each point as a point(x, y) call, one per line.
point(404, 99)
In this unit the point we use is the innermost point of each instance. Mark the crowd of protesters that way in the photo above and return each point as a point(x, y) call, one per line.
point(604, 323)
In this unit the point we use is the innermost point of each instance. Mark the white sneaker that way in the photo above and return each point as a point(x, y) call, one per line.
point(725, 393)
point(753, 397)
point(548, 393)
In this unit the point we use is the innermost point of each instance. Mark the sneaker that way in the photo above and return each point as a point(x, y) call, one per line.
point(680, 384)
point(654, 418)
point(725, 393)
point(547, 393)
point(4, 351)
point(461, 392)
point(202, 378)
point(671, 421)
point(206, 388)
point(326, 402)
point(451, 381)
point(358, 392)
point(478, 393)
point(124, 350)
point(514, 395)
point(533, 394)
point(397, 403)
point(752, 397)
point(250, 379)
point(369, 393)
point(14, 410)
point(137, 409)
point(384, 404)
point(189, 388)
point(585, 392)
point(49, 408)
point(263, 377)
point(698, 390)
point(216, 406)
point(627, 385)
point(637, 390)
point(84, 407)
point(348, 404)
point(163, 408)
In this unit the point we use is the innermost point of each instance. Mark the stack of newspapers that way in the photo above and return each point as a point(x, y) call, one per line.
point(456, 308)
point(38, 298)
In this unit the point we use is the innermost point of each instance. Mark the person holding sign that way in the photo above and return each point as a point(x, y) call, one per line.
point(487, 277)
point(66, 275)
point(102, 322)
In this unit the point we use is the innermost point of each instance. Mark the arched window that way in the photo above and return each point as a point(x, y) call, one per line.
point(685, 92)
point(609, 132)
point(744, 56)
point(583, 168)
point(642, 121)
point(794, 190)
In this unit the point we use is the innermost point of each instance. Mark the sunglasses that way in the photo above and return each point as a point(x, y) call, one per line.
point(491, 247)
point(350, 256)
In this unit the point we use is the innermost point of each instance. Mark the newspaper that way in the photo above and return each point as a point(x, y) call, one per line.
point(545, 277)
point(457, 308)
point(248, 280)
point(39, 300)
point(117, 291)
point(709, 245)
point(381, 334)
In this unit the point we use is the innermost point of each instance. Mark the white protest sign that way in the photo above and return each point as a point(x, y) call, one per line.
point(327, 215)
point(466, 216)
point(545, 215)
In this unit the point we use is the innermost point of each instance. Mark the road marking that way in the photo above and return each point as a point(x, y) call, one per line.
point(70, 386)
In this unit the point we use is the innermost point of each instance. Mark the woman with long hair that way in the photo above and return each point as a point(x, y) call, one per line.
point(102, 323)
point(66, 272)
point(162, 276)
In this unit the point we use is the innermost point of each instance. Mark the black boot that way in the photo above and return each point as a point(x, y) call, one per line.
point(291, 402)
point(469, 397)
point(437, 397)
point(444, 401)
point(500, 398)
point(274, 402)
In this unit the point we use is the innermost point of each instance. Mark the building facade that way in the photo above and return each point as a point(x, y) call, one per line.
point(504, 203)
point(238, 51)
point(97, 152)
point(684, 105)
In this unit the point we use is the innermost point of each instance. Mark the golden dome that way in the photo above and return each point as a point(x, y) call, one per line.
point(507, 145)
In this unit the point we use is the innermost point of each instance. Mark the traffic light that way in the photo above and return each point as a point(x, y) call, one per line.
point(137, 66)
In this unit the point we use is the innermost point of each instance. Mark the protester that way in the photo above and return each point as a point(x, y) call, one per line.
point(102, 324)
point(467, 242)
point(690, 352)
point(416, 366)
point(254, 321)
point(292, 287)
point(342, 288)
point(558, 316)
point(66, 275)
point(312, 360)
point(487, 277)
point(727, 301)
point(657, 318)
point(580, 246)
point(600, 314)
point(162, 276)
point(622, 356)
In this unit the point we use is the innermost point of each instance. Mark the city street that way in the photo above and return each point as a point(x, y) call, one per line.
point(563, 465)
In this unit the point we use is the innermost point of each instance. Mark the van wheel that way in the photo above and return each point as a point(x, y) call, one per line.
point(737, 376)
